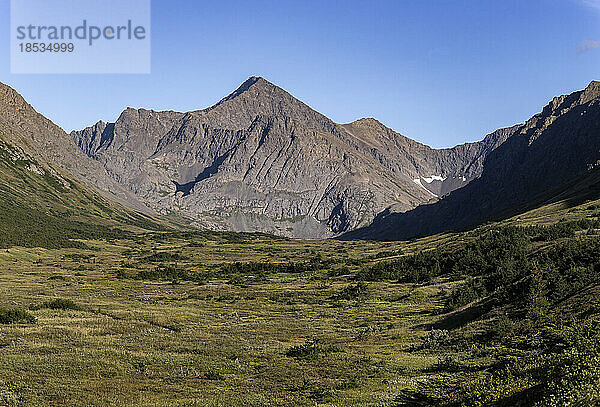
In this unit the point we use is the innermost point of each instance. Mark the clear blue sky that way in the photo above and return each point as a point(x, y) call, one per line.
point(441, 72)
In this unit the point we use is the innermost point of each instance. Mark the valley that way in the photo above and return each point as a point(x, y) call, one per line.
point(300, 204)
point(190, 318)
point(117, 290)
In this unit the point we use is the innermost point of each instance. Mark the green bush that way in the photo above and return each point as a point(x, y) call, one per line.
point(353, 292)
point(60, 304)
point(164, 257)
point(214, 375)
point(311, 349)
point(435, 339)
point(499, 253)
point(15, 316)
point(466, 293)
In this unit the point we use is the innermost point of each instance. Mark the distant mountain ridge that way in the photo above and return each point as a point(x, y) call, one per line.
point(261, 160)
point(552, 149)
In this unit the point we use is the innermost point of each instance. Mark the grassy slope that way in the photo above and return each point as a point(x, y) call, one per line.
point(38, 208)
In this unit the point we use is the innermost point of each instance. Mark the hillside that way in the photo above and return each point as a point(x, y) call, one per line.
point(23, 128)
point(50, 192)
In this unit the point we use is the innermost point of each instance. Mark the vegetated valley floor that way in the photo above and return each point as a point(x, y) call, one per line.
point(223, 319)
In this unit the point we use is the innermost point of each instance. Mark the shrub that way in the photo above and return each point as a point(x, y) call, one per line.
point(387, 253)
point(436, 339)
point(447, 364)
point(213, 375)
point(416, 268)
point(309, 350)
point(466, 293)
point(15, 316)
point(353, 292)
point(158, 257)
point(501, 326)
point(60, 304)
point(501, 252)
point(321, 394)
point(537, 301)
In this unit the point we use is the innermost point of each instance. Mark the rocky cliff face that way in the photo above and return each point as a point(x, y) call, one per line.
point(550, 150)
point(261, 160)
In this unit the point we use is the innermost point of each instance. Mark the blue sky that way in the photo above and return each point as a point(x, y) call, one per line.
point(441, 72)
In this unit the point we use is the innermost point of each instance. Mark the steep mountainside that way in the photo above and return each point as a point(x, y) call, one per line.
point(550, 150)
point(261, 160)
point(43, 200)
point(41, 141)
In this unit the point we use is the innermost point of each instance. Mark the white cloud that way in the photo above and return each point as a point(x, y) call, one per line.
point(587, 45)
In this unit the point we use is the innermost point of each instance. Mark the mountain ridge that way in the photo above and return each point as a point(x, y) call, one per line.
point(262, 160)
point(554, 147)
point(166, 157)
point(21, 126)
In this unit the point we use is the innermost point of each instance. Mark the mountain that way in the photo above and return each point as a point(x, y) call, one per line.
point(547, 154)
point(44, 199)
point(40, 140)
point(261, 160)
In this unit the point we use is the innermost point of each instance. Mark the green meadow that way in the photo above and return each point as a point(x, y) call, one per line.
point(506, 313)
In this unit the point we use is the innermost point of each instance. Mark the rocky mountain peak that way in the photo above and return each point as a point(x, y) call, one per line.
point(558, 107)
point(254, 87)
point(253, 80)
point(10, 97)
point(593, 85)
point(561, 104)
point(257, 96)
point(262, 160)
point(368, 122)
point(591, 92)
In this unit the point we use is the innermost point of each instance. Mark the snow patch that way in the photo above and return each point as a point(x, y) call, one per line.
point(432, 178)
point(418, 182)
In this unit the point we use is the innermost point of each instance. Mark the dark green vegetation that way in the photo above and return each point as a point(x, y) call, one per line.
point(59, 304)
point(15, 316)
point(517, 301)
point(115, 315)
point(27, 227)
point(524, 298)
